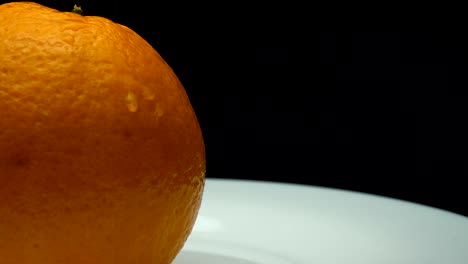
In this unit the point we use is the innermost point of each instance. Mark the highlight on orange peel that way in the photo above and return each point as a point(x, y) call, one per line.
point(102, 158)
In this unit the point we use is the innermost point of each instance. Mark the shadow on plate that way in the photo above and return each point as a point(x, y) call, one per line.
point(190, 257)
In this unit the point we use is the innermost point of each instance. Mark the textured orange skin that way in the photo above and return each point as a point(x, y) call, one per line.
point(102, 158)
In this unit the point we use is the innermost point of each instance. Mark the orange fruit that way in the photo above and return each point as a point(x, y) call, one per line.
point(102, 158)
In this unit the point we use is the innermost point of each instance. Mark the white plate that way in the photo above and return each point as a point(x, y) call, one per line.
point(251, 222)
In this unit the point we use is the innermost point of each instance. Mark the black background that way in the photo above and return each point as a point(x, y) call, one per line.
point(279, 99)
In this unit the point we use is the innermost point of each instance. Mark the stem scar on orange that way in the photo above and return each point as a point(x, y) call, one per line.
point(102, 158)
